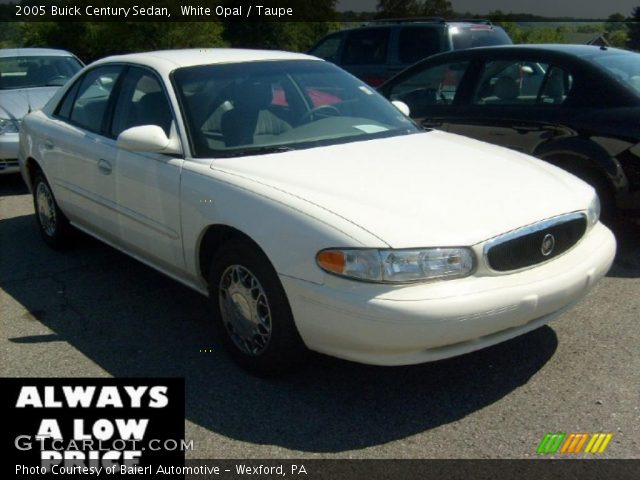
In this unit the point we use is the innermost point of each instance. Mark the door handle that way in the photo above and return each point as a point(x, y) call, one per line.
point(48, 144)
point(104, 166)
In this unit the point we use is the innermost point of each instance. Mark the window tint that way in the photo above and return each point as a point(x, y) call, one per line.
point(623, 66)
point(366, 47)
point(520, 82)
point(141, 102)
point(93, 96)
point(64, 110)
point(436, 85)
point(556, 86)
point(416, 43)
point(36, 71)
point(328, 49)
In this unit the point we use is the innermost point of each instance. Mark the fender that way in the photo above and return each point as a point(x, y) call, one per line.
point(581, 153)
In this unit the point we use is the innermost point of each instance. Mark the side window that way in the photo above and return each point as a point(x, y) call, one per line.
point(436, 85)
point(93, 95)
point(416, 43)
point(478, 35)
point(141, 102)
point(520, 82)
point(64, 109)
point(366, 47)
point(556, 87)
point(329, 48)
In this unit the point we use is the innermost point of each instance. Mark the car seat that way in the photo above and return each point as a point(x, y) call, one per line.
point(250, 117)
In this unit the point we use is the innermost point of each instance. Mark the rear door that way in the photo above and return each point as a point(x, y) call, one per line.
point(366, 54)
point(516, 103)
point(417, 42)
point(78, 144)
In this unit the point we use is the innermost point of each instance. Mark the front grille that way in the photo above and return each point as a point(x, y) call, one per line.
point(8, 163)
point(524, 247)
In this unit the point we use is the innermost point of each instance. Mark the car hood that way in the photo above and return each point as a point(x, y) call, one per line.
point(420, 190)
point(14, 104)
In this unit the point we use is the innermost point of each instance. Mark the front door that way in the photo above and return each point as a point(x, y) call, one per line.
point(146, 195)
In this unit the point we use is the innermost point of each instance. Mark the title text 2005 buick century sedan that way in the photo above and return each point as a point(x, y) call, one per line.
point(312, 212)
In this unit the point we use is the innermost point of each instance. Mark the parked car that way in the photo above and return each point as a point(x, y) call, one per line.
point(302, 203)
point(381, 49)
point(575, 106)
point(28, 79)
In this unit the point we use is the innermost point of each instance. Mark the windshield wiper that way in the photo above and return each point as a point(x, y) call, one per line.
point(257, 151)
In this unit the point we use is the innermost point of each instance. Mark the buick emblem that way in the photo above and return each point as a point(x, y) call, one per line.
point(548, 244)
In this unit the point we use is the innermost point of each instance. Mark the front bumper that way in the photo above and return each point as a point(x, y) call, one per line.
point(9, 153)
point(399, 325)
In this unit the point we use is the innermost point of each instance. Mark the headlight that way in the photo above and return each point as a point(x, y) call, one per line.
point(593, 211)
point(397, 266)
point(9, 126)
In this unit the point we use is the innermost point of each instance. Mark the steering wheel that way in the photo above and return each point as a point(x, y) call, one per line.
point(330, 110)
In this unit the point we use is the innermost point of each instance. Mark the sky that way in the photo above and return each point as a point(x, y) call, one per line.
point(548, 8)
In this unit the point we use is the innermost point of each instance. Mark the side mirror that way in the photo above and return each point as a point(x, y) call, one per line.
point(148, 138)
point(403, 107)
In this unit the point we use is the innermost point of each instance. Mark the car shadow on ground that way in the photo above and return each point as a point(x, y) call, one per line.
point(12, 184)
point(627, 232)
point(132, 321)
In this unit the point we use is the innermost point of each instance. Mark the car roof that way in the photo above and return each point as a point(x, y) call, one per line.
point(168, 60)
point(33, 52)
point(561, 48)
point(394, 23)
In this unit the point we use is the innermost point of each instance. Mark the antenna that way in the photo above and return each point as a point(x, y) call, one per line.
point(26, 91)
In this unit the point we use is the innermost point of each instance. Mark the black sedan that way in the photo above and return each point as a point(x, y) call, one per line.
point(575, 106)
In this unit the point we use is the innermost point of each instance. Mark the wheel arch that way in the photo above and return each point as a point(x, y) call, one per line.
point(591, 171)
point(213, 238)
point(578, 154)
point(32, 167)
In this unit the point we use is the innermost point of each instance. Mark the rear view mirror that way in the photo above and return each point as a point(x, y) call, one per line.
point(403, 107)
point(148, 138)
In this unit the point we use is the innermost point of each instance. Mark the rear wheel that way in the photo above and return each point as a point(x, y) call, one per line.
point(53, 225)
point(251, 311)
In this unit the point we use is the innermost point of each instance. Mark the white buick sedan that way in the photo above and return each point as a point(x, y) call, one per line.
point(309, 209)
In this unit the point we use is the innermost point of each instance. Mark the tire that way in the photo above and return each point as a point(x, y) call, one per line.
point(251, 311)
point(53, 225)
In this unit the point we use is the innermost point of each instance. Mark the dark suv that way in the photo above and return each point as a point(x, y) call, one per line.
point(381, 49)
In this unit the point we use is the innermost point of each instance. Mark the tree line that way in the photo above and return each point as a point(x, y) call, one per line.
point(92, 40)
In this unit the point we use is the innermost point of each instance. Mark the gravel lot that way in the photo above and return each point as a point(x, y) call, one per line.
point(92, 311)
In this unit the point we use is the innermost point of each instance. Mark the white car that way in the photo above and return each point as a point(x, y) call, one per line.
point(28, 79)
point(312, 212)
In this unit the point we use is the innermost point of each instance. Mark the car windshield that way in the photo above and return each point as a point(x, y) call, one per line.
point(624, 66)
point(273, 106)
point(36, 71)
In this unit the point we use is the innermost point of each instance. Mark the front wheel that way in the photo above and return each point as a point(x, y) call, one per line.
point(54, 227)
point(251, 311)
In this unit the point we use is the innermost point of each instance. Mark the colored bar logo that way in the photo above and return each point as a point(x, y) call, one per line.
point(573, 443)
